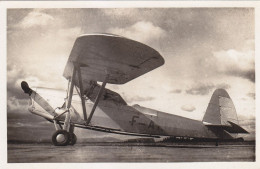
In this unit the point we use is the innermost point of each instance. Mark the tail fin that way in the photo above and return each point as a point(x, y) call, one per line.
point(221, 112)
point(220, 109)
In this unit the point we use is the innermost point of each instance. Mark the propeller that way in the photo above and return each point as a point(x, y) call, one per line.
point(26, 88)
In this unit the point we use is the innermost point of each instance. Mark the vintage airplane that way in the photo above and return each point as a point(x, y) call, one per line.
point(114, 59)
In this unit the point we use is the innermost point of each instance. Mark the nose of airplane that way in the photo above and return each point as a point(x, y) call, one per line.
point(26, 88)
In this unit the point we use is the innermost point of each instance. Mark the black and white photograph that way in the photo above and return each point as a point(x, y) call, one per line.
point(145, 84)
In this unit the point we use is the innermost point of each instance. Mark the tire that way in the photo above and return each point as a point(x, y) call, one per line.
point(60, 138)
point(72, 139)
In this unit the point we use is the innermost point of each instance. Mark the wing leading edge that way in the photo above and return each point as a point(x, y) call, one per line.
point(100, 54)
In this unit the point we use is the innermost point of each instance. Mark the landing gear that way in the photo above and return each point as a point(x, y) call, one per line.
point(60, 138)
point(73, 139)
point(63, 138)
point(65, 135)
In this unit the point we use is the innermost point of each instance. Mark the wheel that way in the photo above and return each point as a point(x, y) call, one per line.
point(60, 138)
point(216, 143)
point(72, 138)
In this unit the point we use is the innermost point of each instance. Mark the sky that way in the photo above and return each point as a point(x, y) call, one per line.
point(204, 49)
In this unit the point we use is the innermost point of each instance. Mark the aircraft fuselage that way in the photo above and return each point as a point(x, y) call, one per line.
point(132, 119)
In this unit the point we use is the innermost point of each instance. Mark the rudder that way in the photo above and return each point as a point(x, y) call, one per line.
point(220, 109)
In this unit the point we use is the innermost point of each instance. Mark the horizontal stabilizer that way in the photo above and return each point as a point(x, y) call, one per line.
point(99, 55)
point(231, 127)
point(236, 128)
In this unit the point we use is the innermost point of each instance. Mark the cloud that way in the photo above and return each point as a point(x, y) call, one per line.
point(189, 108)
point(121, 12)
point(222, 86)
point(15, 75)
point(38, 55)
point(137, 98)
point(14, 104)
point(237, 63)
point(37, 52)
point(251, 95)
point(13, 86)
point(176, 91)
point(69, 33)
point(250, 75)
point(142, 31)
point(16, 99)
point(248, 123)
point(205, 88)
point(200, 89)
point(35, 18)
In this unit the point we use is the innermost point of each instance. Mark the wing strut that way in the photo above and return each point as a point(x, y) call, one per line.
point(97, 99)
point(71, 87)
point(68, 103)
point(81, 93)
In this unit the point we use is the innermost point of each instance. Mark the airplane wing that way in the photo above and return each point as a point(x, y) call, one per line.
point(101, 54)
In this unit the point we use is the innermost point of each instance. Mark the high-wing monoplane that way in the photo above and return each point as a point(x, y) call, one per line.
point(87, 104)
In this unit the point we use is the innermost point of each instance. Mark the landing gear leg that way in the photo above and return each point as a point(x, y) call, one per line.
point(65, 136)
point(217, 143)
point(73, 137)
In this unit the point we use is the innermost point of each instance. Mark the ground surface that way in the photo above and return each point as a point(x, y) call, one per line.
point(125, 152)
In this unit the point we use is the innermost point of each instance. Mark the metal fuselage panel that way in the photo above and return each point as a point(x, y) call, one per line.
point(133, 119)
point(142, 120)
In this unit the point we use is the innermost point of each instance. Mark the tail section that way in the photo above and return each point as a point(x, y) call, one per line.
point(221, 113)
point(220, 109)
